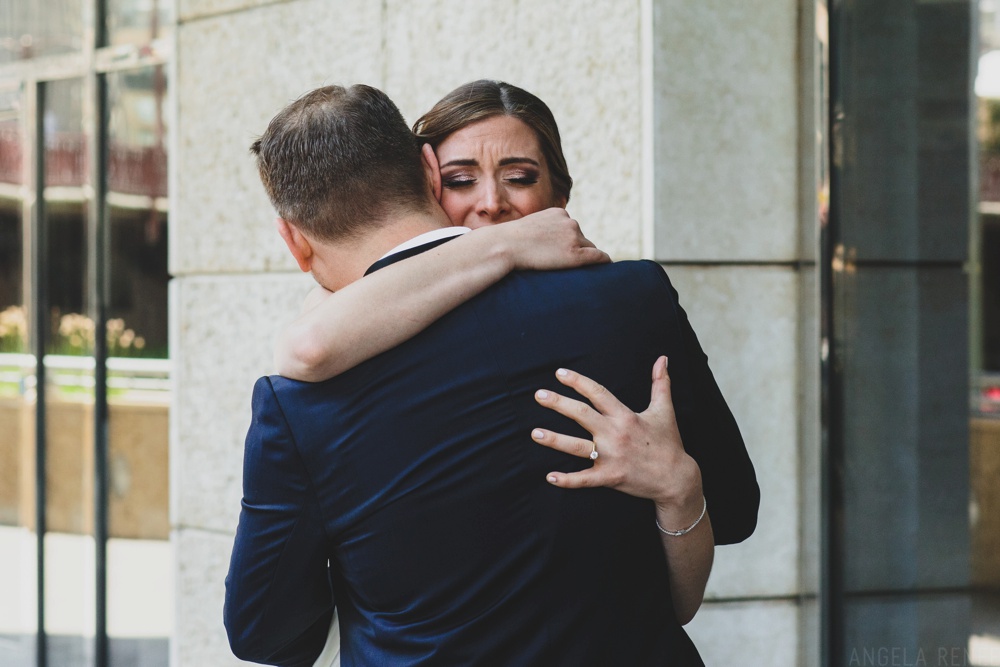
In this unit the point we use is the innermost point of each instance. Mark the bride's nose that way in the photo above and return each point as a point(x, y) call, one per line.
point(493, 202)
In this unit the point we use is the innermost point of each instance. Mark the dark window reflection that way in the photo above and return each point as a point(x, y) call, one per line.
point(138, 22)
point(137, 203)
point(32, 28)
point(989, 239)
point(12, 324)
point(66, 176)
point(916, 478)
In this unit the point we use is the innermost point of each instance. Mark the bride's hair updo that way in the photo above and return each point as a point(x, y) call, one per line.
point(484, 99)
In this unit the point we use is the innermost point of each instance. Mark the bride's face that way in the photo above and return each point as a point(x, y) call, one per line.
point(494, 171)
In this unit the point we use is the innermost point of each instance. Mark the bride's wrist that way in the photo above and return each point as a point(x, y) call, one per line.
point(685, 494)
point(495, 247)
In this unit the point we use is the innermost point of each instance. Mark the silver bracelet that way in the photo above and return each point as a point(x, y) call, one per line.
point(684, 531)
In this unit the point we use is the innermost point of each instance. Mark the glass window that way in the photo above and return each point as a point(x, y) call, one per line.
point(70, 581)
point(48, 265)
point(140, 587)
point(917, 512)
point(138, 22)
point(18, 540)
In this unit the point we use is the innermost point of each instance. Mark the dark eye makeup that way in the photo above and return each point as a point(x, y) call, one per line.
point(525, 179)
point(457, 182)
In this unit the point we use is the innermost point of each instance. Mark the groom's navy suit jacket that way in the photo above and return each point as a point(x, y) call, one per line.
point(408, 491)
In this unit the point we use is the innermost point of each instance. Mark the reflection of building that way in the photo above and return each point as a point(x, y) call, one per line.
point(828, 280)
point(83, 275)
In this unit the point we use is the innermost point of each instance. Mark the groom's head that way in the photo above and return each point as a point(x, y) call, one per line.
point(339, 163)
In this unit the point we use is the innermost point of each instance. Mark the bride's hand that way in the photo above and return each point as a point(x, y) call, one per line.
point(639, 454)
point(548, 239)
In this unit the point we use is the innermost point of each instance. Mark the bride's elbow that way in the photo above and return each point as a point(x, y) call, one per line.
point(685, 613)
point(298, 356)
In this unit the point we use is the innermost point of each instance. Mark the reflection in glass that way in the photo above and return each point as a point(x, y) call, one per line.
point(139, 571)
point(18, 542)
point(69, 390)
point(984, 445)
point(908, 460)
point(40, 28)
point(138, 22)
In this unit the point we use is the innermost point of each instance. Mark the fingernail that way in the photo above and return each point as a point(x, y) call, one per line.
point(666, 361)
point(537, 434)
point(551, 479)
point(542, 394)
point(562, 372)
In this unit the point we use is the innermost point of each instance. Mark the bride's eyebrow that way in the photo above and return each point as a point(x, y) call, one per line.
point(518, 160)
point(465, 162)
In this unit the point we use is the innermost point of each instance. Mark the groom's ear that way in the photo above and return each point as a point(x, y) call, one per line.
point(433, 170)
point(297, 244)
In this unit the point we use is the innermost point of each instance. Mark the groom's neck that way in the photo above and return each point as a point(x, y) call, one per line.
point(339, 264)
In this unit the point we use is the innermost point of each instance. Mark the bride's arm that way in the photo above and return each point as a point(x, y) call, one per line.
point(337, 331)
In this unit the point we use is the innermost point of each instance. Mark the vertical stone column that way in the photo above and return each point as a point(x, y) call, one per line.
point(735, 213)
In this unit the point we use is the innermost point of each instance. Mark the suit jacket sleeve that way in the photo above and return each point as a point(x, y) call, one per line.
point(713, 439)
point(278, 598)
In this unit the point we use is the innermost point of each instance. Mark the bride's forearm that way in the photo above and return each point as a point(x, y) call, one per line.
point(387, 307)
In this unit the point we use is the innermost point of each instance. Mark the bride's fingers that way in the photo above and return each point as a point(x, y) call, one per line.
point(580, 412)
point(596, 393)
point(590, 477)
point(563, 443)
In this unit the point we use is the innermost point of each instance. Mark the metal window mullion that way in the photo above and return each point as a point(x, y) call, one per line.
point(39, 334)
point(97, 253)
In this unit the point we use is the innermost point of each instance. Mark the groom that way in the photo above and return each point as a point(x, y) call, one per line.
point(407, 492)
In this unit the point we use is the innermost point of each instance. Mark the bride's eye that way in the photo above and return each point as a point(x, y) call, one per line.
point(523, 178)
point(457, 182)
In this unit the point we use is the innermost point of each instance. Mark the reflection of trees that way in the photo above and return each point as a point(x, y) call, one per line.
point(989, 149)
point(71, 334)
point(989, 126)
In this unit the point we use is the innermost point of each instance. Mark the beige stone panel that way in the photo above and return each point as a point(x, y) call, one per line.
point(584, 63)
point(201, 561)
point(233, 73)
point(760, 633)
point(726, 126)
point(188, 10)
point(810, 435)
point(26, 488)
point(745, 319)
point(138, 498)
point(12, 455)
point(138, 470)
point(223, 329)
point(69, 463)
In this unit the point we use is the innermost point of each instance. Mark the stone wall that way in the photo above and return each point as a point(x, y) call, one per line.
point(682, 128)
